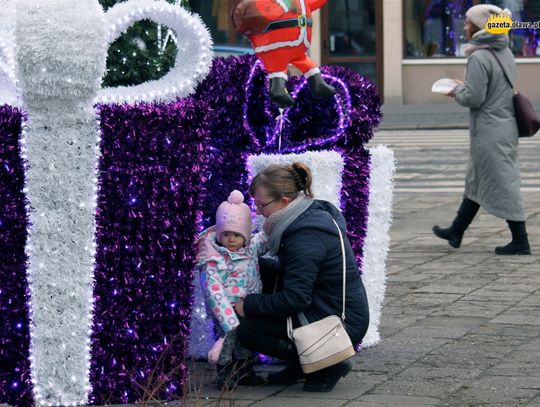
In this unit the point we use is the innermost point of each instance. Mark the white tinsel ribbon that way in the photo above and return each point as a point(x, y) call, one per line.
point(193, 58)
point(377, 240)
point(8, 87)
point(59, 69)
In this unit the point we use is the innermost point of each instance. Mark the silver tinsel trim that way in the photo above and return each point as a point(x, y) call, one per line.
point(60, 55)
point(377, 241)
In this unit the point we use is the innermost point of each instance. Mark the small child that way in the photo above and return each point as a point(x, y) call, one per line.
point(228, 262)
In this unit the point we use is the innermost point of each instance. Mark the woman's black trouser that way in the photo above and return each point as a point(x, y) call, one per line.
point(263, 334)
point(267, 336)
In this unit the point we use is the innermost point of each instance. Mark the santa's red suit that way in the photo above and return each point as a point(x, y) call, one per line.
point(280, 33)
point(278, 47)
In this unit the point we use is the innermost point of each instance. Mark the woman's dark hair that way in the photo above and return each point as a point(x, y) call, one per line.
point(284, 180)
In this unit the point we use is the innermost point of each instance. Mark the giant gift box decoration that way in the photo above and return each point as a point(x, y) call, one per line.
point(99, 311)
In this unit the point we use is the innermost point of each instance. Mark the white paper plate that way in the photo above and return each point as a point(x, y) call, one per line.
point(443, 86)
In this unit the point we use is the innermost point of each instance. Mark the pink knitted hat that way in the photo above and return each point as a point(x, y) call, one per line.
point(234, 215)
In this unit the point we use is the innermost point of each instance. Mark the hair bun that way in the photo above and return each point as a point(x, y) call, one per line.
point(236, 197)
point(300, 174)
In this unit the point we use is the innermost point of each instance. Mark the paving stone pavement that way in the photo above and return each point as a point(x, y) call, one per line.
point(460, 327)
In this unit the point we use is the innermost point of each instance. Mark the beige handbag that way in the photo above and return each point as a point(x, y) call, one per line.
point(325, 342)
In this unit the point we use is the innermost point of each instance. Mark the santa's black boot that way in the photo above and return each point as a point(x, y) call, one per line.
point(454, 233)
point(319, 88)
point(279, 93)
point(520, 240)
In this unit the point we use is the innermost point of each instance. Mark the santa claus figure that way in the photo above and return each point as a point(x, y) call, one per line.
point(280, 33)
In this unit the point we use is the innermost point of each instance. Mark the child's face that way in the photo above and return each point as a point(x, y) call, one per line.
point(232, 241)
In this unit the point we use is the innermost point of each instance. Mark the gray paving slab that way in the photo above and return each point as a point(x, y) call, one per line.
point(380, 400)
point(497, 390)
point(300, 401)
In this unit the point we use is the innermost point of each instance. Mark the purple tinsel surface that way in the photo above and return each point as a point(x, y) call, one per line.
point(355, 197)
point(15, 381)
point(230, 142)
point(149, 189)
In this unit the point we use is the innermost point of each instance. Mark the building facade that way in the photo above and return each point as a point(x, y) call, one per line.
point(402, 45)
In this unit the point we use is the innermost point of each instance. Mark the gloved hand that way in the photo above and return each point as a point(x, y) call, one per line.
point(214, 352)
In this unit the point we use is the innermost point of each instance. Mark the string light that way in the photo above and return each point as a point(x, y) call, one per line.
point(281, 120)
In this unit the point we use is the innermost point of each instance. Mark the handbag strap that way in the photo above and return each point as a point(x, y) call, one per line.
point(342, 243)
point(289, 328)
point(344, 268)
point(500, 66)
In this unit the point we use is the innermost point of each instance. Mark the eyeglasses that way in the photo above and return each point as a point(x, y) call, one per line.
point(260, 205)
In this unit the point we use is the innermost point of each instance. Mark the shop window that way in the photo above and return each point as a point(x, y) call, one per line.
point(215, 14)
point(434, 28)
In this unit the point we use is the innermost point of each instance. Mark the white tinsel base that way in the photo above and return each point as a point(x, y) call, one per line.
point(377, 238)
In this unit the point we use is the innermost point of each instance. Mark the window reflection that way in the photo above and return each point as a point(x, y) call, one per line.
point(434, 28)
point(351, 27)
point(215, 14)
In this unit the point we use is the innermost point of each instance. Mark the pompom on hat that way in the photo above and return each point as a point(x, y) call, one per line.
point(479, 14)
point(234, 215)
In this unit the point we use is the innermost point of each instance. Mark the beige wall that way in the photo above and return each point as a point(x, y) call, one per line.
point(315, 49)
point(392, 51)
point(417, 81)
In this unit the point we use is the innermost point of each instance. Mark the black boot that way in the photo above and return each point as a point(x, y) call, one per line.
point(465, 215)
point(279, 93)
point(237, 372)
point(520, 240)
point(325, 380)
point(319, 88)
point(290, 375)
point(226, 376)
point(246, 374)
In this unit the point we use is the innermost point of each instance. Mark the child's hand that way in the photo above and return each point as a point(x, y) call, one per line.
point(239, 308)
point(205, 250)
point(213, 354)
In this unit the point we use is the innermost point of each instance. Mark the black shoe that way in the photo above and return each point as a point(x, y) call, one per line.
point(279, 93)
point(513, 248)
point(246, 374)
point(290, 375)
point(319, 88)
point(520, 240)
point(226, 376)
point(465, 214)
point(325, 380)
point(453, 236)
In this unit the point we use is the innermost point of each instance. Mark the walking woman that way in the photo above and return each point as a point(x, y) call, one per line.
point(303, 235)
point(493, 179)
